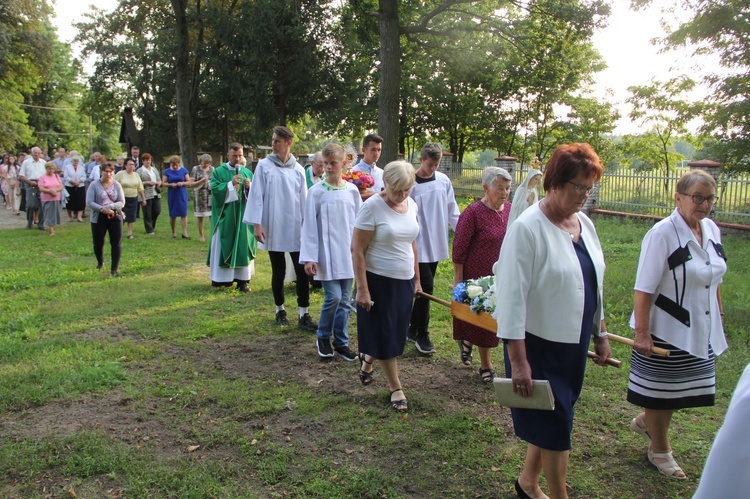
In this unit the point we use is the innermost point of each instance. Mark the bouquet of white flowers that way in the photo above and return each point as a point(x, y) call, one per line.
point(479, 294)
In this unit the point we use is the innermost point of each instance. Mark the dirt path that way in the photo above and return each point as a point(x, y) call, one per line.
point(10, 221)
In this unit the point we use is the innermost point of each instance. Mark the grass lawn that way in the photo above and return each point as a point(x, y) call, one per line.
point(157, 385)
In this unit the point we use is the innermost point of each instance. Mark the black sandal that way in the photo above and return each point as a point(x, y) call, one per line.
point(487, 375)
point(364, 377)
point(465, 349)
point(399, 405)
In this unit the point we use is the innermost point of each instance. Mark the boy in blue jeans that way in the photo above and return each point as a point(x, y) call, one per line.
point(330, 210)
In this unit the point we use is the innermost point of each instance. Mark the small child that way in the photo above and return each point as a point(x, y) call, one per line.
point(330, 210)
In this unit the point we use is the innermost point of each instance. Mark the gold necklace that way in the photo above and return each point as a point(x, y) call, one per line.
point(548, 213)
point(484, 202)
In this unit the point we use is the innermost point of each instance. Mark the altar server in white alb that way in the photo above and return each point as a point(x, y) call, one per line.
point(276, 209)
point(437, 210)
point(327, 230)
point(372, 146)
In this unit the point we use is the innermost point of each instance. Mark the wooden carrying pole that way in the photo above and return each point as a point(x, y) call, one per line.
point(613, 337)
point(628, 341)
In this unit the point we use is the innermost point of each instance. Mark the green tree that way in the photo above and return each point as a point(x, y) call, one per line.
point(662, 108)
point(25, 55)
point(456, 19)
point(720, 28)
point(53, 107)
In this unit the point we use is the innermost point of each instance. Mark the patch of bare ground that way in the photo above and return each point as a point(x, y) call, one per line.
point(167, 428)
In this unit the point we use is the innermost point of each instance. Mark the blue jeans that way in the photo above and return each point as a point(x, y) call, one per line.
point(334, 315)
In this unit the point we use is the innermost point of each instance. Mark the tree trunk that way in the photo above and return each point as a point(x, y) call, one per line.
point(185, 127)
point(390, 80)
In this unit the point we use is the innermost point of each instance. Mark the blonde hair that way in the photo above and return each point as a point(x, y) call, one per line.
point(398, 175)
point(332, 151)
point(175, 159)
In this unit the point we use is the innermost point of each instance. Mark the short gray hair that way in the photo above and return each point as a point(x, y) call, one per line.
point(695, 177)
point(399, 175)
point(205, 158)
point(492, 173)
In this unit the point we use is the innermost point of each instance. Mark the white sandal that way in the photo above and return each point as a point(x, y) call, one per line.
point(669, 467)
point(641, 430)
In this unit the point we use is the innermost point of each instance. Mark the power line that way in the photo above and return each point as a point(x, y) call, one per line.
point(59, 133)
point(53, 108)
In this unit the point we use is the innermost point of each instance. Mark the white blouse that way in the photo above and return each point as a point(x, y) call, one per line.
point(389, 253)
point(703, 273)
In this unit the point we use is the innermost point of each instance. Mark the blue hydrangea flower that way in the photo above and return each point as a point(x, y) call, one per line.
point(459, 292)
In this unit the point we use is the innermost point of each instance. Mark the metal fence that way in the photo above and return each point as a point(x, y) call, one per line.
point(628, 191)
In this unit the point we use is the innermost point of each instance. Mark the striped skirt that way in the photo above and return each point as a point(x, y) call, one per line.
point(675, 382)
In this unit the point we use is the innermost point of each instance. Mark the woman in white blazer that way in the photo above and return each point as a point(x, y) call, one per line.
point(550, 276)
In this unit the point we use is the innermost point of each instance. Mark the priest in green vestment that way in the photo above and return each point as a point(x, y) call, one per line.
point(232, 245)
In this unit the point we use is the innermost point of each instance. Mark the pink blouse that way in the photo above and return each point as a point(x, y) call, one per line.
point(50, 182)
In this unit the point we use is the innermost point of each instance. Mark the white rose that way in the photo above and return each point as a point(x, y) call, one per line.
point(473, 291)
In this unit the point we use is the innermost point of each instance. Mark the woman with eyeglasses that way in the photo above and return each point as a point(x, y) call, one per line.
point(549, 288)
point(677, 306)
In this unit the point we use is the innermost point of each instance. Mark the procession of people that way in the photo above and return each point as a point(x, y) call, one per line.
point(383, 244)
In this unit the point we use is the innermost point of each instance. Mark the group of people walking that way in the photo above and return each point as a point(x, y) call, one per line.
point(385, 243)
point(549, 268)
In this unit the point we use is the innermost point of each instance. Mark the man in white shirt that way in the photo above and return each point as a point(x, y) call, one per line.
point(276, 208)
point(372, 146)
point(438, 210)
point(30, 172)
point(59, 160)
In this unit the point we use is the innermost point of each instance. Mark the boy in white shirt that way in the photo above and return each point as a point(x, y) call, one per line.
point(330, 210)
point(438, 210)
point(276, 209)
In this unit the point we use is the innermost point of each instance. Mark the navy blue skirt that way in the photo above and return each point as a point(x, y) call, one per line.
point(564, 366)
point(381, 332)
point(130, 208)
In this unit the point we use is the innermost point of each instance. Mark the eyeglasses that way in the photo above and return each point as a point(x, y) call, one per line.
point(582, 189)
point(699, 199)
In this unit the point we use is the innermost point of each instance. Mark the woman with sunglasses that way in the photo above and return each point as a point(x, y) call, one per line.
point(677, 306)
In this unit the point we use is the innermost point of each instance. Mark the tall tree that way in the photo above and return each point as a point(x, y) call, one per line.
point(53, 107)
point(720, 27)
point(446, 18)
point(25, 55)
point(662, 108)
point(186, 83)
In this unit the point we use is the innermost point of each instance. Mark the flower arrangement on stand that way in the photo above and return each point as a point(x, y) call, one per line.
point(479, 294)
point(361, 179)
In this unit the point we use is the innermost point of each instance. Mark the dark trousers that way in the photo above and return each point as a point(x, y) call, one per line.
point(278, 271)
point(99, 230)
point(420, 312)
point(33, 206)
point(151, 212)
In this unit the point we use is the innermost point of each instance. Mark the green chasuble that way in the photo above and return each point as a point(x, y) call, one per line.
point(238, 244)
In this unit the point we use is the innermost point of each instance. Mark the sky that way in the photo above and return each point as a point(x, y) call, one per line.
point(625, 45)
